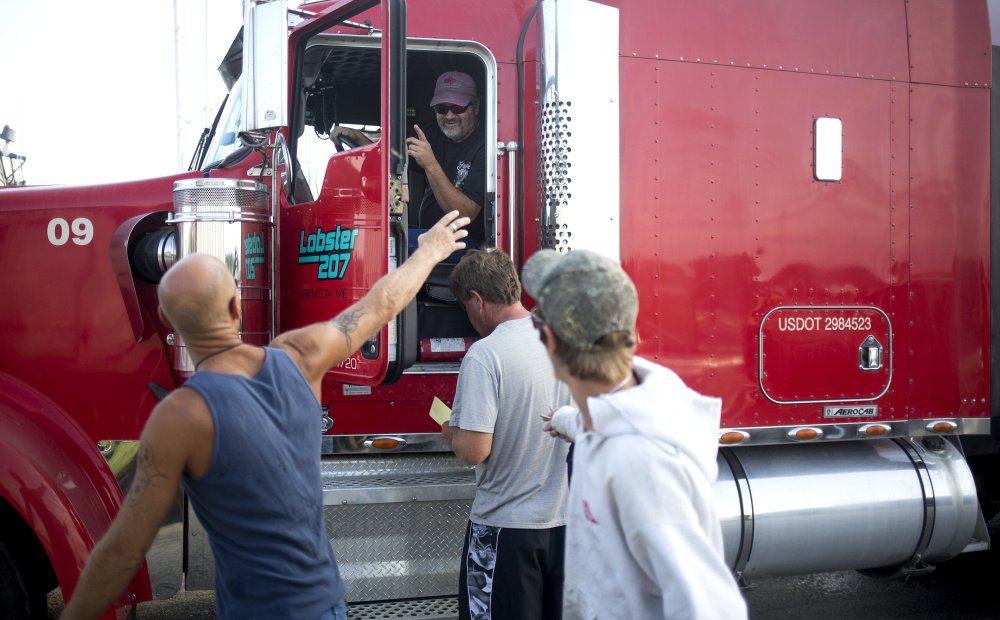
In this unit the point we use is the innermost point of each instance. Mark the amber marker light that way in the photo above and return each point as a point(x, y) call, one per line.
point(731, 438)
point(943, 426)
point(874, 430)
point(805, 434)
point(385, 443)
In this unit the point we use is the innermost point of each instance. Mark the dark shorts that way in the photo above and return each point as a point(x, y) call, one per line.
point(337, 612)
point(511, 574)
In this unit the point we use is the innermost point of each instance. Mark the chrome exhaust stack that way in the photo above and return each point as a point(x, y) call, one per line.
point(231, 220)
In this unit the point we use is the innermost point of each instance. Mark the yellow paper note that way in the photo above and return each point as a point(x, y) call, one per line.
point(440, 411)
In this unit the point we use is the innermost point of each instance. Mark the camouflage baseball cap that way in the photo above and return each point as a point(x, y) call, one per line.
point(582, 295)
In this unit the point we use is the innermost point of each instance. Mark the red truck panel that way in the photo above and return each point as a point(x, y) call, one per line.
point(724, 221)
point(864, 38)
point(950, 240)
point(940, 33)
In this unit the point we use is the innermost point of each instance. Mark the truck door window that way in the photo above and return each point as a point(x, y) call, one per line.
point(341, 87)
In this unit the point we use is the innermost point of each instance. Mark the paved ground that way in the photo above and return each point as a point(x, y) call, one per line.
point(965, 588)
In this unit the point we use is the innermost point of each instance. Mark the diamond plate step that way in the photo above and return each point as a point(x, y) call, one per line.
point(399, 488)
point(397, 478)
point(420, 609)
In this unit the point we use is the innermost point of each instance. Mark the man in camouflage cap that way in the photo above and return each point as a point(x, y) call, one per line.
point(642, 536)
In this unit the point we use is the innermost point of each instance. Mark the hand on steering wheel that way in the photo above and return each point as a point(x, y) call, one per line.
point(345, 138)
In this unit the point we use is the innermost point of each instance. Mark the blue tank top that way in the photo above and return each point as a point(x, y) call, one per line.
point(261, 498)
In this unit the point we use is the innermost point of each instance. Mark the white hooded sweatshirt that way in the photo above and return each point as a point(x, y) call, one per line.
point(642, 538)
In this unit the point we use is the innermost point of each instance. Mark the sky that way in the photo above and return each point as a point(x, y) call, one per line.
point(102, 90)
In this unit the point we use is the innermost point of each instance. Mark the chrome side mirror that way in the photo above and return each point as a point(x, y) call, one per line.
point(265, 64)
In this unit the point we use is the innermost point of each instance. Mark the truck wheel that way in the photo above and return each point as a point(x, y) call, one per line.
point(18, 600)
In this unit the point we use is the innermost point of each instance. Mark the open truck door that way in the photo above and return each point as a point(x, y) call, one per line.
point(343, 226)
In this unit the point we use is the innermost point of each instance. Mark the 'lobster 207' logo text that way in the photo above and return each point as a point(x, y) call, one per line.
point(331, 250)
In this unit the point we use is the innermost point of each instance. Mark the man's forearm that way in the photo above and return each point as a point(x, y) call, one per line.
point(449, 197)
point(394, 290)
point(470, 447)
point(319, 346)
point(104, 577)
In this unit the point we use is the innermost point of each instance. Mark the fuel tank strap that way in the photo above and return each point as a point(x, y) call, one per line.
point(746, 508)
point(930, 505)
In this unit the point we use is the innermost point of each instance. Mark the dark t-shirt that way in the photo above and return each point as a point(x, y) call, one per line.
point(465, 164)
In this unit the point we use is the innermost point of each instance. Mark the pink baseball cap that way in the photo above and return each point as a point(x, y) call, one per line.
point(454, 87)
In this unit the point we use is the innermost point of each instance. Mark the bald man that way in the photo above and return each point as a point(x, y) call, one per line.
point(242, 437)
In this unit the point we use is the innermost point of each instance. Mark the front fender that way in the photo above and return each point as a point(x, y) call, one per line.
point(55, 478)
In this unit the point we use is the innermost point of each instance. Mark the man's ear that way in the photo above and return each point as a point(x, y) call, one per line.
point(548, 338)
point(235, 307)
point(163, 317)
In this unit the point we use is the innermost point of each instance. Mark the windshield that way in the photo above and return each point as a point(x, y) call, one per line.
point(225, 142)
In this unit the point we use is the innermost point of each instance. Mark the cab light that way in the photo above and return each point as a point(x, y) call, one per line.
point(731, 438)
point(805, 434)
point(874, 430)
point(943, 426)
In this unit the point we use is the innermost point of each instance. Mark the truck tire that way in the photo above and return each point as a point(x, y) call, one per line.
point(18, 599)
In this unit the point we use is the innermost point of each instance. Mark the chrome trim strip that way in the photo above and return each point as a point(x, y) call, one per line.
point(579, 196)
point(433, 368)
point(760, 355)
point(511, 148)
point(418, 491)
point(769, 435)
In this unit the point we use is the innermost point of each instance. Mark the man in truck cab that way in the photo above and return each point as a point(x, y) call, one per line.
point(512, 563)
point(451, 154)
point(241, 437)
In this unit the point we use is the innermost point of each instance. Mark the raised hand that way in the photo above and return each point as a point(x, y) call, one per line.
point(420, 149)
point(444, 237)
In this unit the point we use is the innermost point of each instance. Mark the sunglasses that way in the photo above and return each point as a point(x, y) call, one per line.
point(444, 108)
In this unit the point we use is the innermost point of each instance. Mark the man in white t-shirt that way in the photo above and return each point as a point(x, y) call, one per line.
point(512, 564)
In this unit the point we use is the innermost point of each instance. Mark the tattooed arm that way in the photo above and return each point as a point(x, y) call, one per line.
point(177, 437)
point(318, 347)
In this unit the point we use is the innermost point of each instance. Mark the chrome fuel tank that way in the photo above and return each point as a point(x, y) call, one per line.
point(847, 505)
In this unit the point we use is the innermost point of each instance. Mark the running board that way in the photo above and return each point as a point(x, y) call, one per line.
point(396, 478)
point(396, 488)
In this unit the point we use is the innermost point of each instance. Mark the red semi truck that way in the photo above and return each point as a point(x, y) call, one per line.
point(800, 190)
